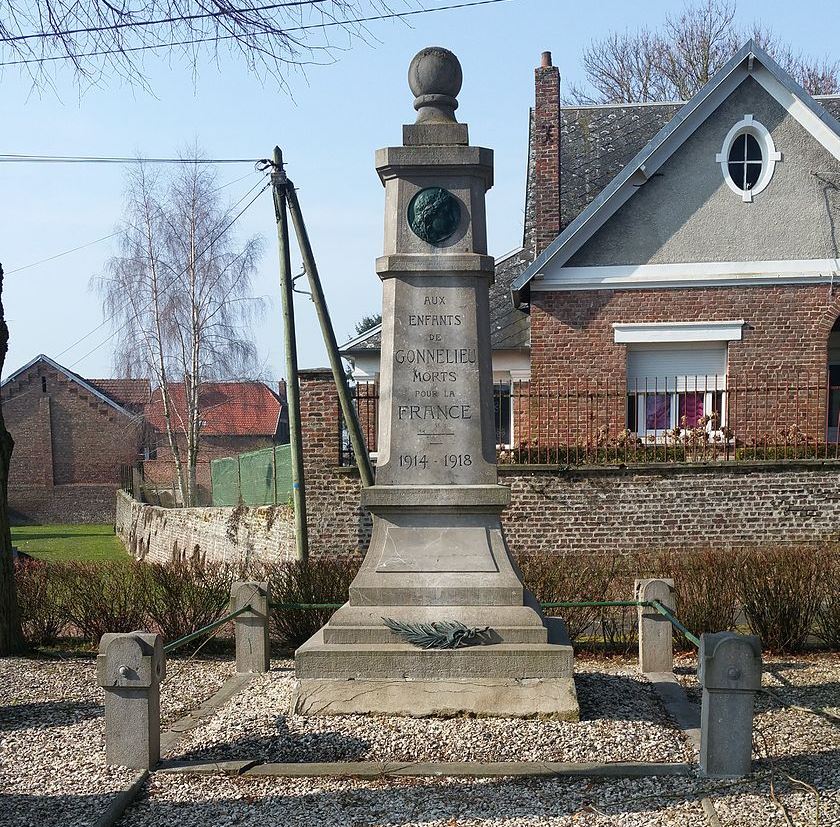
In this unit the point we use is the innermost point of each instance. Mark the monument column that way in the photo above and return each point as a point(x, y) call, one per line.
point(437, 554)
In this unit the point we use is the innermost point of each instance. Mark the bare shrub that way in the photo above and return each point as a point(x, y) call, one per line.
point(555, 578)
point(42, 612)
point(315, 581)
point(780, 589)
point(104, 597)
point(184, 596)
point(619, 625)
point(828, 615)
point(705, 588)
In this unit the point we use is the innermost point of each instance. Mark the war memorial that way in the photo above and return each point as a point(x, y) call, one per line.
point(438, 570)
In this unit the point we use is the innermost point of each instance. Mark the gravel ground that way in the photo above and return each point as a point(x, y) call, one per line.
point(52, 770)
point(622, 721)
point(430, 802)
point(788, 743)
point(52, 755)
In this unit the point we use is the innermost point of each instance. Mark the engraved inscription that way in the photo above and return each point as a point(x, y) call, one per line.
point(436, 393)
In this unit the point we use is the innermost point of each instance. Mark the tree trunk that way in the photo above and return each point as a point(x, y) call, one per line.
point(11, 637)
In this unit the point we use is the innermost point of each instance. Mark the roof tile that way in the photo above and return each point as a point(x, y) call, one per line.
point(226, 409)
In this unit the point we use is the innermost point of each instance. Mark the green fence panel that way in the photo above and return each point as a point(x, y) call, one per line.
point(283, 474)
point(224, 474)
point(256, 477)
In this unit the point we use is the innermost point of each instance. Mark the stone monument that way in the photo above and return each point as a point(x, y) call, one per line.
point(437, 554)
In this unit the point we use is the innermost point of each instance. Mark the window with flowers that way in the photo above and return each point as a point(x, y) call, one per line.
point(675, 386)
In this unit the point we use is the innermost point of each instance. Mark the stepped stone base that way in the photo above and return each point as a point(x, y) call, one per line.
point(437, 553)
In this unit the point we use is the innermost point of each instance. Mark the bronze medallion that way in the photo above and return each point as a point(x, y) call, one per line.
point(434, 214)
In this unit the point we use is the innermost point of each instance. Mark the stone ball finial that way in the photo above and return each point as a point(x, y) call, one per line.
point(435, 78)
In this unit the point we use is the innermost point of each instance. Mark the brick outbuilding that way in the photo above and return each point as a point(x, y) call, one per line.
point(72, 437)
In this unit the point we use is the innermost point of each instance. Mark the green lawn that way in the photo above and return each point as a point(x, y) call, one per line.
point(59, 543)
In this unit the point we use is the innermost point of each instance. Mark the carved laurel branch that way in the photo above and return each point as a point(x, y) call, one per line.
point(443, 634)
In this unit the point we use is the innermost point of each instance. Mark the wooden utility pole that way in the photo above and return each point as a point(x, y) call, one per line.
point(348, 409)
point(279, 186)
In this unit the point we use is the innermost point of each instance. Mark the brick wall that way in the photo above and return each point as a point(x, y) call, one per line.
point(784, 341)
point(731, 506)
point(617, 511)
point(227, 535)
point(160, 472)
point(61, 504)
point(787, 327)
point(592, 510)
point(69, 448)
point(335, 521)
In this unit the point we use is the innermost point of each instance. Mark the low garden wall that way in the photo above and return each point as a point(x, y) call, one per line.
point(231, 535)
point(681, 507)
point(729, 505)
point(553, 511)
point(623, 510)
point(71, 503)
point(610, 510)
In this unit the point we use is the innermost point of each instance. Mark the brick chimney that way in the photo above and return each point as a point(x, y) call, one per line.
point(545, 155)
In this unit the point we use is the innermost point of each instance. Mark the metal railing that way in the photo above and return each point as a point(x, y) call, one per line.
point(571, 422)
point(172, 646)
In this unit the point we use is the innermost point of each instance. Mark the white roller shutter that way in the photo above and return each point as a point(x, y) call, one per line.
point(667, 367)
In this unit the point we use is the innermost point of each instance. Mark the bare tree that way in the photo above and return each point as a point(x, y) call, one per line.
point(179, 295)
point(101, 38)
point(676, 61)
point(623, 67)
point(11, 639)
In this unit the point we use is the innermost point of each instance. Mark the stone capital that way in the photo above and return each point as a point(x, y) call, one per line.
point(130, 660)
point(436, 264)
point(465, 497)
point(437, 161)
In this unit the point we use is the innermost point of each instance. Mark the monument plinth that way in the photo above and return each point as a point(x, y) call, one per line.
point(437, 553)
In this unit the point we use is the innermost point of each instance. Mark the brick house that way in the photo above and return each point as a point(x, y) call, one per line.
point(72, 436)
point(677, 274)
point(236, 417)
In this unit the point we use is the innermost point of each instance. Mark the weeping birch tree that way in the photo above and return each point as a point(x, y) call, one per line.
point(179, 293)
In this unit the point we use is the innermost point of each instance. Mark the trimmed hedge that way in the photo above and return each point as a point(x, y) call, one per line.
point(787, 594)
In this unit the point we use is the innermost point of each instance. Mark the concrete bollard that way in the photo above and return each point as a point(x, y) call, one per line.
point(656, 636)
point(130, 667)
point(251, 628)
point(730, 674)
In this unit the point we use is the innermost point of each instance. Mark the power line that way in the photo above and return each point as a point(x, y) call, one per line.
point(216, 39)
point(59, 255)
point(175, 19)
point(106, 237)
point(177, 275)
point(95, 159)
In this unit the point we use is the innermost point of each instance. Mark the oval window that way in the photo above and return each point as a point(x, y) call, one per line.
point(745, 161)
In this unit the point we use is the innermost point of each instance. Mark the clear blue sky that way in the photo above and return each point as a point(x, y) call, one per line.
point(329, 124)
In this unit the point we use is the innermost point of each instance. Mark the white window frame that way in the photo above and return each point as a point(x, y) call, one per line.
point(513, 379)
point(676, 333)
point(769, 156)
